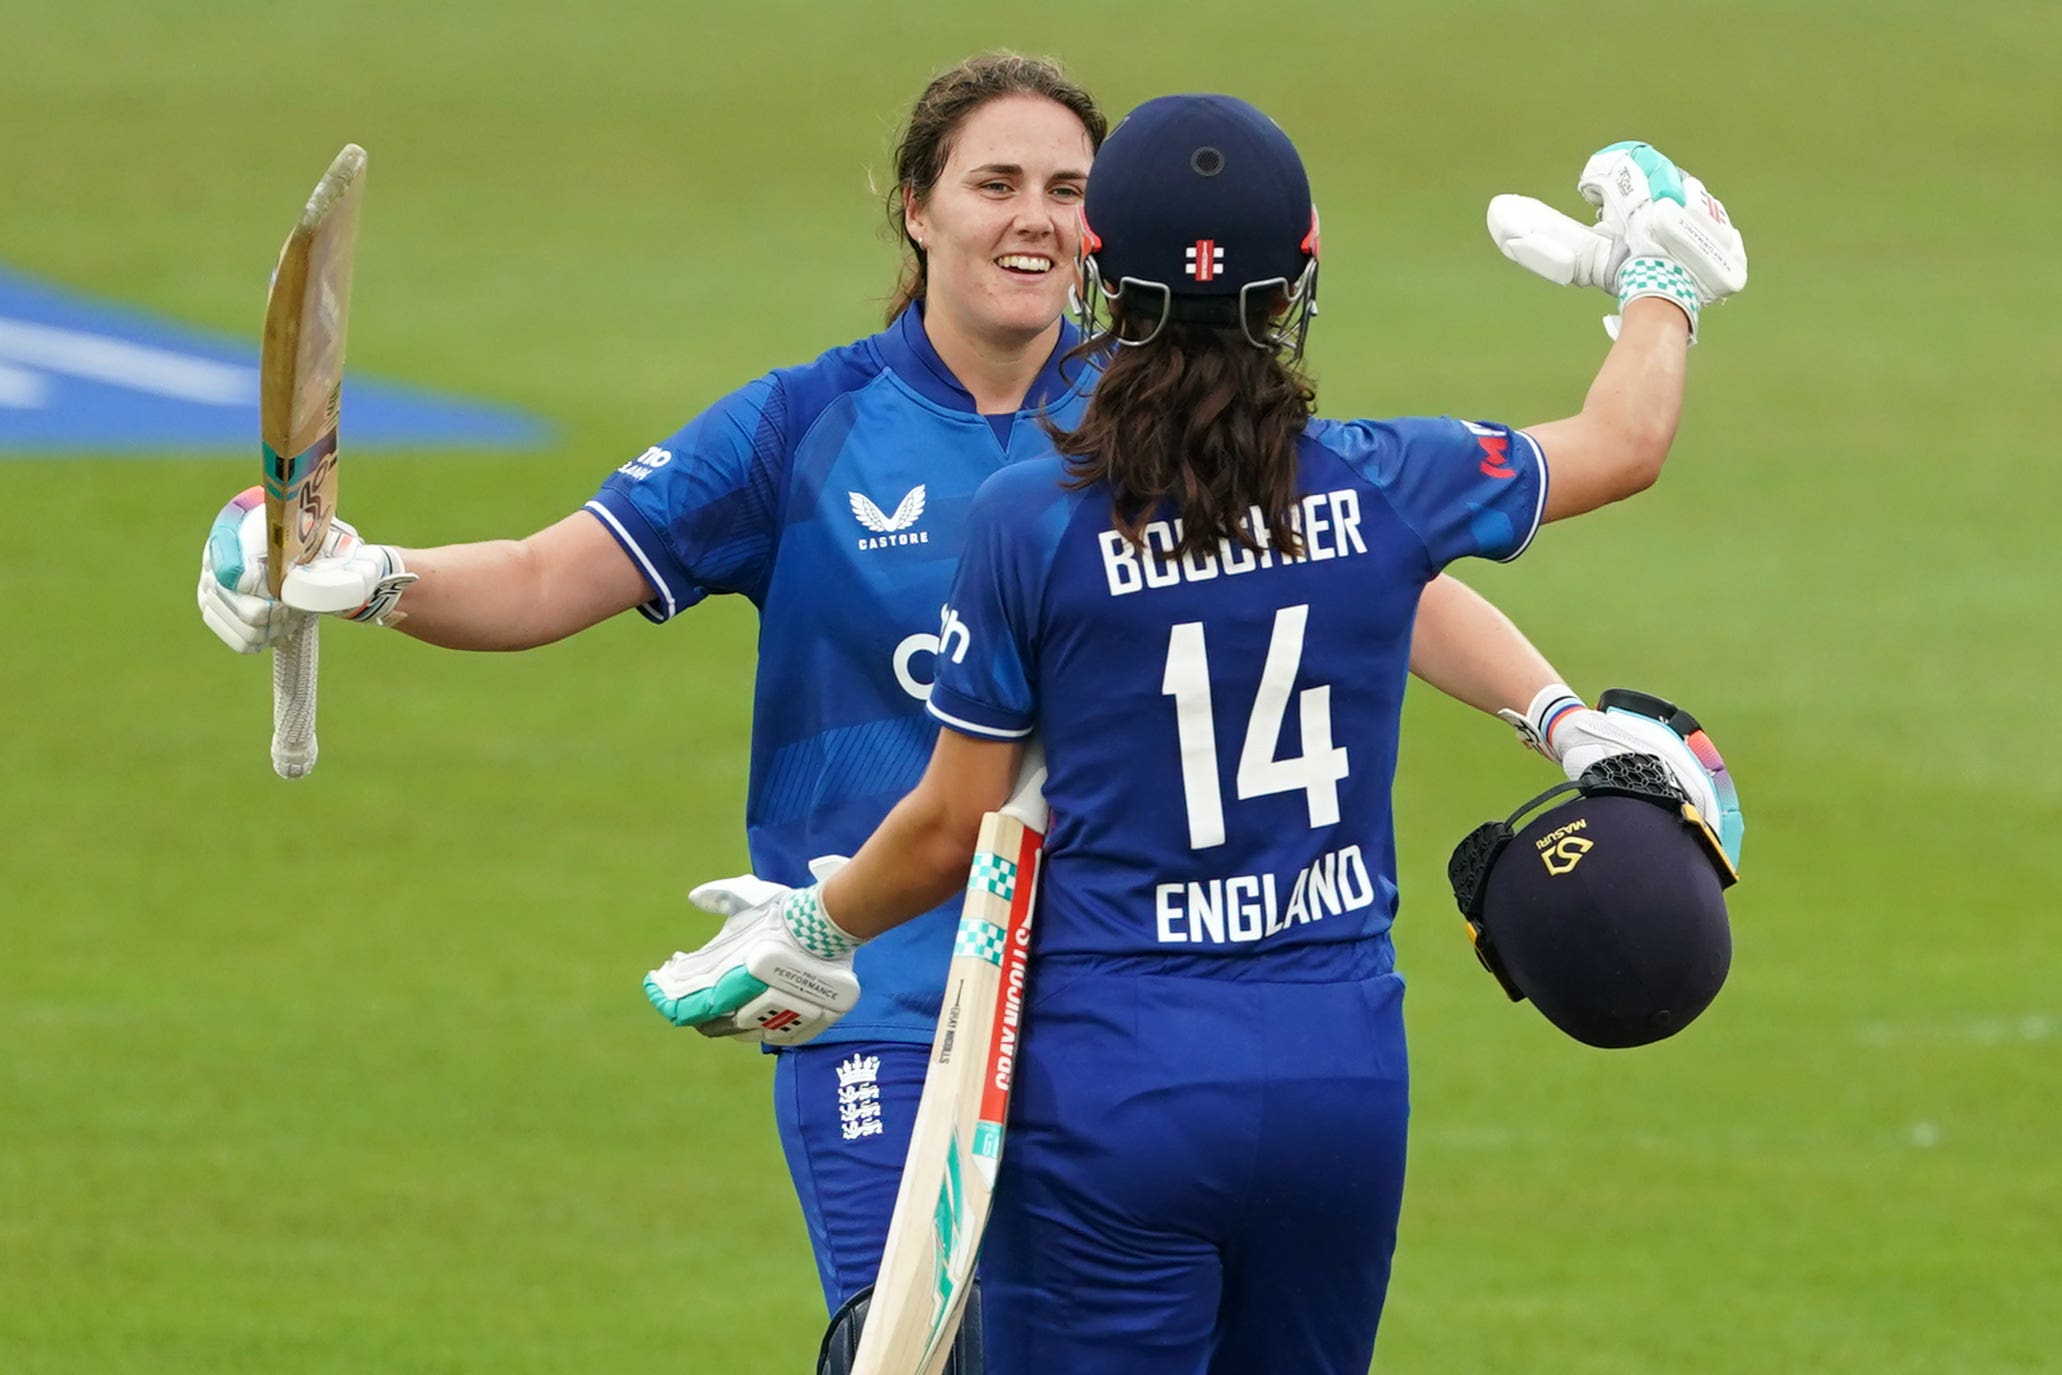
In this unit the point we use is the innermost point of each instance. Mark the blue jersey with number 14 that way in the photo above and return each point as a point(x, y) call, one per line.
point(1221, 729)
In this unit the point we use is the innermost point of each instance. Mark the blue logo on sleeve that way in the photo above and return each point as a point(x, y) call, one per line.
point(81, 374)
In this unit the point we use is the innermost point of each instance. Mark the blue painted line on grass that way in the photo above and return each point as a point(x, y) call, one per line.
point(79, 373)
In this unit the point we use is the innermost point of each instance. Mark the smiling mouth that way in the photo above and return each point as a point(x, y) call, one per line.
point(1025, 264)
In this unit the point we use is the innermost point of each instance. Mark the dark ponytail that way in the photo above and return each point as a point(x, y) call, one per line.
point(1198, 416)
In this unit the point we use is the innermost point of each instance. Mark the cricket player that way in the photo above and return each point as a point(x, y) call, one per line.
point(835, 497)
point(1203, 606)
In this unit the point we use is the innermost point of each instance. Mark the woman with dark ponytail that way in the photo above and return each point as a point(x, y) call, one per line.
point(1195, 415)
point(1203, 605)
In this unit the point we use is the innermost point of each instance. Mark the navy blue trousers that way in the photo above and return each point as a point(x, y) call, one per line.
point(1202, 1175)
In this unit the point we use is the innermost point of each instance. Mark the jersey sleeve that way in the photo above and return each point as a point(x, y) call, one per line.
point(700, 512)
point(984, 683)
point(1467, 488)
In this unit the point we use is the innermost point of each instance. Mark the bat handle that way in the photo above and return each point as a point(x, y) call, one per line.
point(1027, 797)
point(294, 657)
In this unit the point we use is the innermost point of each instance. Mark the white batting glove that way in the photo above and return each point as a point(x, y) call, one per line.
point(1563, 250)
point(780, 970)
point(1658, 232)
point(232, 577)
point(350, 578)
point(1560, 726)
point(1679, 243)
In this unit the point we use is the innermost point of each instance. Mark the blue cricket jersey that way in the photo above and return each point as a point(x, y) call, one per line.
point(1221, 729)
point(834, 496)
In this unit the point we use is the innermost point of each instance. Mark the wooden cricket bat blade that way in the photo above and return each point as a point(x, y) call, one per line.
point(955, 1145)
point(301, 373)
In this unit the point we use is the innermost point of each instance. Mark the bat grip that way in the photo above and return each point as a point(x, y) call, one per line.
point(1027, 796)
point(294, 657)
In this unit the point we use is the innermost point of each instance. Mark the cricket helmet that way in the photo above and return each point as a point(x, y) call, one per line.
point(1198, 209)
point(1607, 910)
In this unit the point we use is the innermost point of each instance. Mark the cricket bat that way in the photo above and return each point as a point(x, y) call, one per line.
point(955, 1147)
point(301, 374)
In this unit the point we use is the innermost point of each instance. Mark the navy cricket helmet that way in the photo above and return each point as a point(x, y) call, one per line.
point(1607, 911)
point(1195, 203)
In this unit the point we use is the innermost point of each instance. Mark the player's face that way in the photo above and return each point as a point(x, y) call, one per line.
point(1003, 221)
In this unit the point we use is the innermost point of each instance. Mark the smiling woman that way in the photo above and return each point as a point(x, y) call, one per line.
point(835, 496)
point(943, 121)
point(994, 229)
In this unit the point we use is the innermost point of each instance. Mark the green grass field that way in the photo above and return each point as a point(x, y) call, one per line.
point(354, 1075)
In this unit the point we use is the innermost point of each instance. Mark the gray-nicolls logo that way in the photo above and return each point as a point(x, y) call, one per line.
point(887, 529)
point(859, 1097)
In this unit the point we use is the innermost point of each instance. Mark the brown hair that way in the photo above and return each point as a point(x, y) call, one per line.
point(1199, 416)
point(934, 121)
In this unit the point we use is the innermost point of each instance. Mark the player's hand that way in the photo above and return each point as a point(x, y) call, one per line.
point(1559, 726)
point(232, 577)
point(779, 971)
point(1658, 232)
point(350, 578)
point(1679, 242)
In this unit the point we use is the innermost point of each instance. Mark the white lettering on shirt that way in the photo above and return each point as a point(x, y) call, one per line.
point(1247, 908)
point(1328, 522)
point(905, 653)
point(647, 463)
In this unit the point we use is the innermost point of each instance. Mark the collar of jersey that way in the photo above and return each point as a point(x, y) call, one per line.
point(907, 349)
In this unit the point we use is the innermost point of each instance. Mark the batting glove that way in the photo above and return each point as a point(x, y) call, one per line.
point(350, 578)
point(780, 970)
point(1658, 232)
point(1563, 250)
point(1559, 726)
point(232, 577)
point(1679, 243)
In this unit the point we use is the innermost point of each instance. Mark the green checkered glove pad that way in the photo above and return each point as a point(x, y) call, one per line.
point(802, 913)
point(1679, 241)
point(1663, 277)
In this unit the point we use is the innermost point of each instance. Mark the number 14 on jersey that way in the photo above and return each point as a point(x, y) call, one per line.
point(1315, 772)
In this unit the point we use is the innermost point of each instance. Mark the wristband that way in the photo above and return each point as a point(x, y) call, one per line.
point(1663, 277)
point(1549, 706)
point(806, 919)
